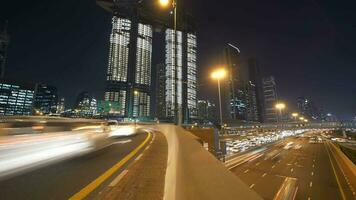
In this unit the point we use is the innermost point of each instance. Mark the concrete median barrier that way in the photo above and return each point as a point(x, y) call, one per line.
point(193, 173)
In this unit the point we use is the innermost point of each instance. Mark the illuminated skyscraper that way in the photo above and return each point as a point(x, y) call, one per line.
point(270, 99)
point(129, 68)
point(186, 81)
point(16, 98)
point(130, 59)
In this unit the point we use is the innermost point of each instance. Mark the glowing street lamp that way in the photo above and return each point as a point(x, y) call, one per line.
point(164, 3)
point(280, 107)
point(305, 120)
point(295, 115)
point(218, 75)
point(301, 118)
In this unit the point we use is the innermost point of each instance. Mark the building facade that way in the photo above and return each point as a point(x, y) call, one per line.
point(86, 105)
point(4, 43)
point(255, 81)
point(181, 88)
point(46, 99)
point(307, 108)
point(270, 100)
point(16, 98)
point(234, 96)
point(129, 69)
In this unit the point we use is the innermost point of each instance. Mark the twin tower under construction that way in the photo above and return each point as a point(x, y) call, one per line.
point(129, 73)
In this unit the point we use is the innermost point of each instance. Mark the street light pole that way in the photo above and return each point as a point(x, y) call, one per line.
point(178, 107)
point(220, 103)
point(217, 75)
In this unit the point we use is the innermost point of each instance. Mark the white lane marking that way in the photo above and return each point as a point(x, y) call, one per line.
point(246, 171)
point(118, 178)
point(123, 142)
point(138, 157)
point(312, 173)
point(147, 147)
point(251, 186)
point(309, 198)
point(311, 184)
point(291, 170)
point(264, 174)
point(273, 166)
point(313, 165)
point(258, 164)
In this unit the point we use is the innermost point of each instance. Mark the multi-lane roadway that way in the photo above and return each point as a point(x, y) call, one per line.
point(311, 165)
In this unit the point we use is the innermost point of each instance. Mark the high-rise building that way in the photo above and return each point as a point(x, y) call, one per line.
point(270, 99)
point(255, 80)
point(233, 87)
point(206, 112)
point(86, 105)
point(16, 98)
point(46, 99)
point(307, 108)
point(251, 103)
point(181, 88)
point(129, 70)
point(4, 43)
point(202, 110)
point(161, 92)
point(130, 60)
point(61, 106)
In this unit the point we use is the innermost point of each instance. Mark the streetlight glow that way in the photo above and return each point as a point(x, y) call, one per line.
point(280, 106)
point(218, 74)
point(301, 118)
point(295, 114)
point(164, 3)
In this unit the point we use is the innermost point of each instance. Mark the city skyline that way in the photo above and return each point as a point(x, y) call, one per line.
point(314, 68)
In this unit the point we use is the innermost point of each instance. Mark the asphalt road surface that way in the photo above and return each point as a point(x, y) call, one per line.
point(64, 179)
point(310, 165)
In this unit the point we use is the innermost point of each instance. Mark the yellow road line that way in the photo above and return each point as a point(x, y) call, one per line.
point(333, 167)
point(98, 181)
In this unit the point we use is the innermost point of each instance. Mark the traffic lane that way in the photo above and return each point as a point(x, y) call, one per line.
point(289, 163)
point(345, 191)
point(62, 180)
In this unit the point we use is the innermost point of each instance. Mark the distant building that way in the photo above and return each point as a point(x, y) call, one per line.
point(270, 99)
point(252, 111)
point(206, 112)
point(234, 95)
point(61, 106)
point(4, 43)
point(16, 98)
point(212, 113)
point(202, 110)
point(46, 99)
point(307, 108)
point(255, 80)
point(86, 105)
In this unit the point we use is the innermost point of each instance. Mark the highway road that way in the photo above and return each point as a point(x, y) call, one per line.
point(64, 179)
point(312, 165)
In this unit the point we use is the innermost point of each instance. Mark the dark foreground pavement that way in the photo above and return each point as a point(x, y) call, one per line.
point(64, 179)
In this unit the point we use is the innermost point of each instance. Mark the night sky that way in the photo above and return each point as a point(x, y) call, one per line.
point(307, 45)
